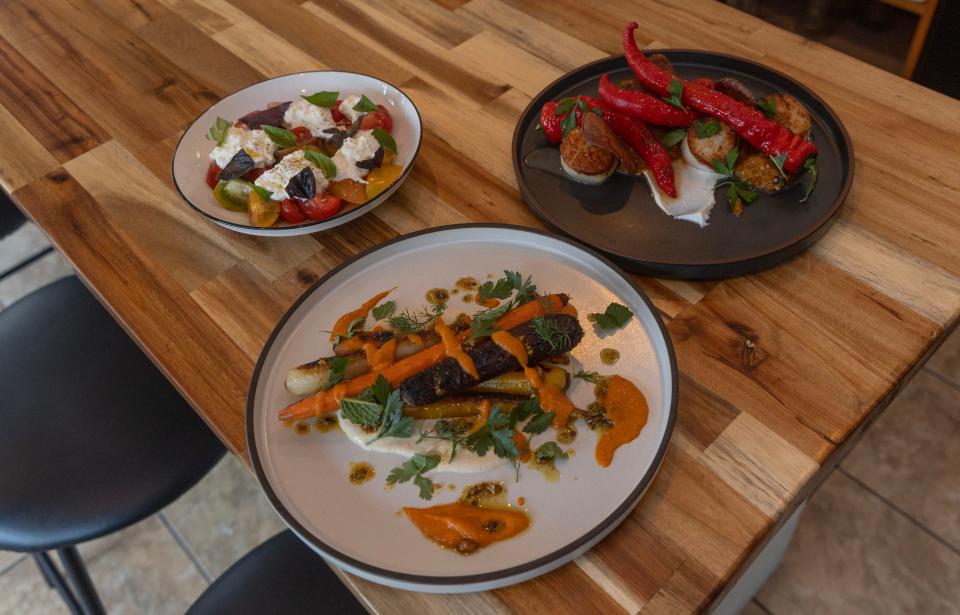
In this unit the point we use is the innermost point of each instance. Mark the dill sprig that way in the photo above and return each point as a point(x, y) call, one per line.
point(549, 331)
point(416, 322)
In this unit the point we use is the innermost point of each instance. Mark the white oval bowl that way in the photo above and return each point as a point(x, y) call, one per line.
point(190, 160)
point(357, 526)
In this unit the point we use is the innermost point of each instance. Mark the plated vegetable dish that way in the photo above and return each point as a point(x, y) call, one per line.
point(467, 395)
point(301, 160)
point(686, 137)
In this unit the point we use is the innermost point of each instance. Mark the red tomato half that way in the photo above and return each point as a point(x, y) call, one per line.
point(303, 135)
point(378, 119)
point(290, 211)
point(212, 171)
point(321, 206)
point(335, 113)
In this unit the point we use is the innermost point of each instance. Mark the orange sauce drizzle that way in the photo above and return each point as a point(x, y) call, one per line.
point(380, 358)
point(451, 344)
point(521, 501)
point(489, 303)
point(481, 420)
point(449, 524)
point(551, 398)
point(627, 408)
point(340, 327)
point(522, 445)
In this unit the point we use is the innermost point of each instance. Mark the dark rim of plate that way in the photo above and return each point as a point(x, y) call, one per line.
point(600, 530)
point(687, 269)
point(354, 210)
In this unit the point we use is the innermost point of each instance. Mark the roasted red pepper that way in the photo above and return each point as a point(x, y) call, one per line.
point(638, 136)
point(642, 106)
point(552, 122)
point(753, 126)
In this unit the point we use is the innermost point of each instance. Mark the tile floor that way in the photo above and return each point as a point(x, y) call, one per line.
point(881, 536)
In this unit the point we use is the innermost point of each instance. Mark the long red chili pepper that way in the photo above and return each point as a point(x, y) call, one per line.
point(638, 136)
point(552, 122)
point(756, 129)
point(642, 106)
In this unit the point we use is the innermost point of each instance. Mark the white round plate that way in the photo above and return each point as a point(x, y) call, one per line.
point(358, 526)
point(190, 160)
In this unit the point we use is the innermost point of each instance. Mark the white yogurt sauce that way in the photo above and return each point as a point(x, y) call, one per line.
point(255, 142)
point(465, 462)
point(276, 179)
point(314, 118)
point(361, 146)
point(695, 189)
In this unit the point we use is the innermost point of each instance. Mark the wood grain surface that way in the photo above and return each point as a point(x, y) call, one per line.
point(780, 371)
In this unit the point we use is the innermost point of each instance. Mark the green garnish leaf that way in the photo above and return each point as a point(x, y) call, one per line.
point(810, 166)
point(355, 326)
point(539, 423)
point(549, 451)
point(415, 322)
point(218, 132)
point(706, 128)
point(673, 137)
point(394, 424)
point(565, 105)
point(414, 468)
point(384, 310)
point(338, 366)
point(524, 287)
point(482, 327)
point(280, 136)
point(616, 315)
point(323, 99)
point(569, 123)
point(676, 94)
point(768, 106)
point(359, 412)
point(501, 289)
point(385, 139)
point(378, 392)
point(264, 194)
point(323, 162)
point(549, 331)
point(778, 161)
point(523, 410)
point(365, 105)
point(503, 444)
point(593, 377)
point(725, 167)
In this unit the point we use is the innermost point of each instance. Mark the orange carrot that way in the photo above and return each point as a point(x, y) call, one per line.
point(328, 401)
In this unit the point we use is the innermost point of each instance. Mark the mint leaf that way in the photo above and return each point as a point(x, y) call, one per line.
point(338, 366)
point(365, 105)
point(676, 94)
point(264, 194)
point(384, 310)
point(280, 136)
point(323, 162)
point(395, 424)
point(673, 137)
point(539, 423)
point(616, 315)
point(385, 139)
point(360, 412)
point(706, 129)
point(323, 99)
point(218, 132)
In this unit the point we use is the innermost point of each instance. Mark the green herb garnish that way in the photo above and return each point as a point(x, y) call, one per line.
point(706, 129)
point(593, 377)
point(361, 412)
point(482, 327)
point(365, 105)
point(501, 289)
point(569, 123)
point(323, 99)
point(565, 105)
point(264, 194)
point(415, 322)
point(218, 132)
point(549, 331)
point(810, 166)
point(738, 190)
point(616, 315)
point(323, 162)
point(549, 452)
point(676, 94)
point(338, 366)
point(525, 287)
point(768, 106)
point(385, 139)
point(384, 310)
point(280, 136)
point(673, 137)
point(414, 468)
point(379, 404)
point(539, 423)
point(778, 161)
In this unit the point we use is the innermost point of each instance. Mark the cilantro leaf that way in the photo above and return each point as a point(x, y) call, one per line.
point(524, 409)
point(414, 468)
point(768, 106)
point(280, 136)
point(501, 289)
point(359, 412)
point(394, 423)
point(364, 105)
point(524, 287)
point(218, 132)
point(323, 162)
point(539, 423)
point(706, 128)
point(384, 310)
point(503, 443)
point(425, 485)
point(616, 315)
point(676, 93)
point(385, 139)
point(323, 99)
point(338, 366)
point(549, 451)
point(673, 137)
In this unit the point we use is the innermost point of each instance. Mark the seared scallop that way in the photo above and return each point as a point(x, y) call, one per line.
point(585, 163)
point(706, 149)
point(757, 169)
point(790, 112)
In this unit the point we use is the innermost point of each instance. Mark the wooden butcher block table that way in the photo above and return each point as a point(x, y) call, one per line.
point(780, 371)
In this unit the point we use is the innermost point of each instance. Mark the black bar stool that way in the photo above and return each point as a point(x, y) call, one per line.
point(92, 436)
point(281, 576)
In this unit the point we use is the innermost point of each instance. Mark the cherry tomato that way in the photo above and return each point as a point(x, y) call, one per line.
point(290, 211)
point(321, 206)
point(212, 171)
point(336, 115)
point(303, 135)
point(378, 119)
point(253, 174)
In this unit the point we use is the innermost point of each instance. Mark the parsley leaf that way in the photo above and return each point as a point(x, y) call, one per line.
point(549, 331)
point(323, 99)
point(676, 93)
point(810, 166)
point(706, 129)
point(539, 423)
point(365, 105)
point(738, 191)
point(616, 315)
point(523, 409)
point(218, 132)
point(501, 289)
point(323, 162)
point(280, 136)
point(384, 310)
point(673, 137)
point(338, 366)
point(385, 139)
point(768, 106)
point(549, 451)
point(503, 443)
point(414, 468)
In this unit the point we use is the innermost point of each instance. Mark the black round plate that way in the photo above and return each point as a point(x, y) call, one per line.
point(621, 218)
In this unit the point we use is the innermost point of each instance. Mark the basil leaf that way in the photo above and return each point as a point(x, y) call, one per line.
point(323, 99)
point(365, 105)
point(280, 136)
point(264, 194)
point(385, 139)
point(384, 310)
point(706, 129)
point(323, 162)
point(673, 137)
point(218, 132)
